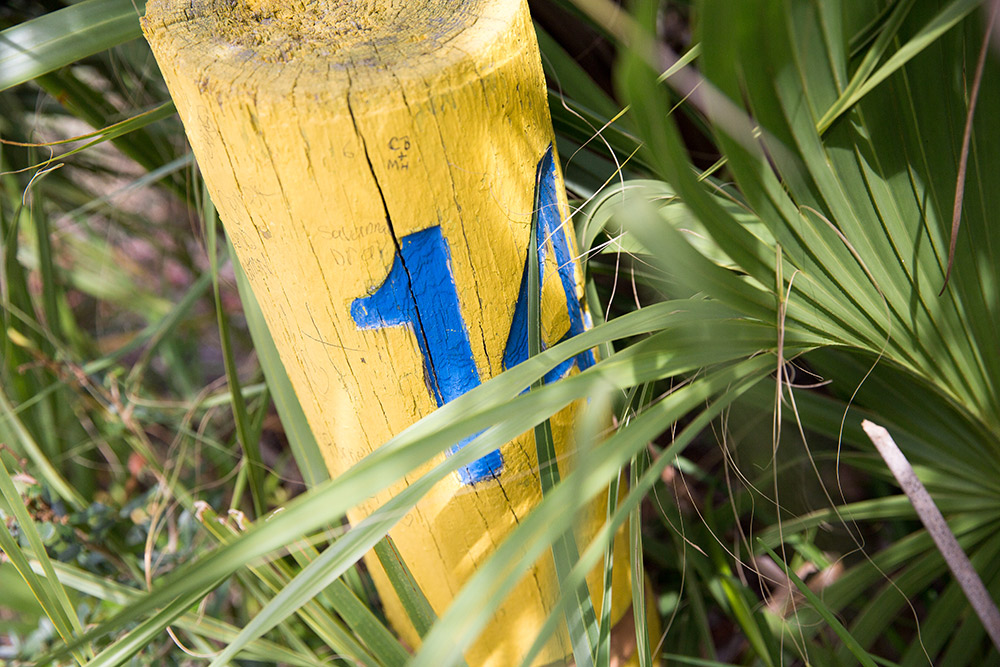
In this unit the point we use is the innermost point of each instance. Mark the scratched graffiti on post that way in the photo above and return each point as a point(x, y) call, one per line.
point(420, 293)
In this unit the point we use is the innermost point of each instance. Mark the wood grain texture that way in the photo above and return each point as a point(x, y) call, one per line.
point(335, 138)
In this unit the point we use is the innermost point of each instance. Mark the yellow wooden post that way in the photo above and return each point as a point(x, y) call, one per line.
point(375, 164)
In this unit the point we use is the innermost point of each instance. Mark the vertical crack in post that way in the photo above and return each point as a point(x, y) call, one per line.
point(432, 377)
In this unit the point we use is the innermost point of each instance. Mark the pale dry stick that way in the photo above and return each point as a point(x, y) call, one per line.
point(958, 562)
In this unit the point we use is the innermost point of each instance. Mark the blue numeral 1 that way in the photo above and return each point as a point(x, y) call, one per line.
point(419, 292)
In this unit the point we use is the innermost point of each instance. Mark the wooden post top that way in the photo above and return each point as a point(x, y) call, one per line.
point(321, 46)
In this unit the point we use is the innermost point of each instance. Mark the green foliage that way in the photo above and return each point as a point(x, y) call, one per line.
point(755, 313)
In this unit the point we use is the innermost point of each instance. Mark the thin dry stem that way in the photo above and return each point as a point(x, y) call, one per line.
point(956, 213)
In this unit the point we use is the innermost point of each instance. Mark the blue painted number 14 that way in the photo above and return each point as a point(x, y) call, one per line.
point(420, 293)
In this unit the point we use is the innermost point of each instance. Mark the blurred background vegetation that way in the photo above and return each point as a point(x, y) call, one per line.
point(764, 196)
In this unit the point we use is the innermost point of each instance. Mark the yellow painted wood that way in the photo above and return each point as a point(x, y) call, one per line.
point(328, 132)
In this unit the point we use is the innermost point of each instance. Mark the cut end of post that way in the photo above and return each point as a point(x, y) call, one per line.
point(254, 42)
point(272, 7)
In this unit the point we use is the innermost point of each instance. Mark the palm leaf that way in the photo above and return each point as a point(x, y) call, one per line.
point(853, 177)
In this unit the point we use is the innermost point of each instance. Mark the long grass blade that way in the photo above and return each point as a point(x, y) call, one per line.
point(49, 592)
point(22, 441)
point(62, 37)
point(248, 439)
point(465, 416)
point(495, 577)
point(102, 588)
point(417, 608)
point(580, 618)
point(638, 468)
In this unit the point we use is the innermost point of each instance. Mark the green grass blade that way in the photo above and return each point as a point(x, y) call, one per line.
point(590, 427)
point(856, 650)
point(176, 165)
point(40, 589)
point(134, 641)
point(868, 32)
point(62, 37)
point(21, 440)
point(154, 334)
point(277, 574)
point(497, 402)
point(741, 605)
point(637, 469)
point(371, 631)
point(580, 618)
point(102, 588)
point(417, 608)
point(676, 658)
point(249, 442)
point(51, 289)
point(498, 573)
point(886, 34)
point(50, 592)
point(330, 565)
